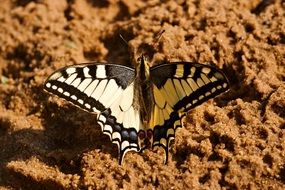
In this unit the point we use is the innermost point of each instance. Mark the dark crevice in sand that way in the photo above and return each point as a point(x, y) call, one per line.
point(203, 179)
point(123, 13)
point(99, 4)
point(218, 139)
point(264, 105)
point(209, 118)
point(215, 157)
point(223, 182)
point(21, 181)
point(268, 160)
point(262, 6)
point(24, 2)
point(27, 59)
point(273, 40)
point(237, 116)
point(68, 10)
point(282, 174)
point(180, 157)
point(278, 109)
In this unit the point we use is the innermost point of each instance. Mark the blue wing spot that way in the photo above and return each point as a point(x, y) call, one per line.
point(125, 134)
point(133, 136)
point(117, 127)
point(110, 120)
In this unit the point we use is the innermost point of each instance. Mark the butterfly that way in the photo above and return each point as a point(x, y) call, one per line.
point(138, 107)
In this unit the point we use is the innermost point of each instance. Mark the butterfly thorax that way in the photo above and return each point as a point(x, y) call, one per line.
point(143, 95)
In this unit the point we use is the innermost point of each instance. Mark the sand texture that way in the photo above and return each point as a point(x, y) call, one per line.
point(234, 141)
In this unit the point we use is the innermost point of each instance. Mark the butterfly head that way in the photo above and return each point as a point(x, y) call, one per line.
point(143, 67)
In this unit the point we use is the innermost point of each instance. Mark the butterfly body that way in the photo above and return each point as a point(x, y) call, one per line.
point(143, 91)
point(138, 107)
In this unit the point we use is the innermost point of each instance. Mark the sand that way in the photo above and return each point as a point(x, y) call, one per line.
point(234, 141)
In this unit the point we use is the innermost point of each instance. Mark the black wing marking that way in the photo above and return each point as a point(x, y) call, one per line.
point(177, 88)
point(105, 89)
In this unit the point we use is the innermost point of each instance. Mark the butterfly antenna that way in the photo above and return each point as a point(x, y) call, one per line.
point(157, 38)
point(158, 35)
point(124, 39)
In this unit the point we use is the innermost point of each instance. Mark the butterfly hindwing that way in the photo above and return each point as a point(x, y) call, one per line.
point(177, 88)
point(107, 90)
point(90, 86)
point(121, 122)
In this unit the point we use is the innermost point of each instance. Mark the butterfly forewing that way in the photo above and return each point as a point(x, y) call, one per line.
point(107, 90)
point(89, 86)
point(177, 88)
point(186, 85)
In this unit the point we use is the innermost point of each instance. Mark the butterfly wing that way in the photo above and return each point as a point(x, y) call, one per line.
point(177, 88)
point(104, 89)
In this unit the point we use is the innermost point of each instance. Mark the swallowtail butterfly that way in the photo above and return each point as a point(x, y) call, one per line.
point(138, 107)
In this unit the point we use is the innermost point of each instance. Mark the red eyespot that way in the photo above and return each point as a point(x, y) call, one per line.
point(147, 142)
point(141, 134)
point(149, 134)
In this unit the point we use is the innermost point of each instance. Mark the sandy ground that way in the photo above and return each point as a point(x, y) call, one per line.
point(235, 141)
